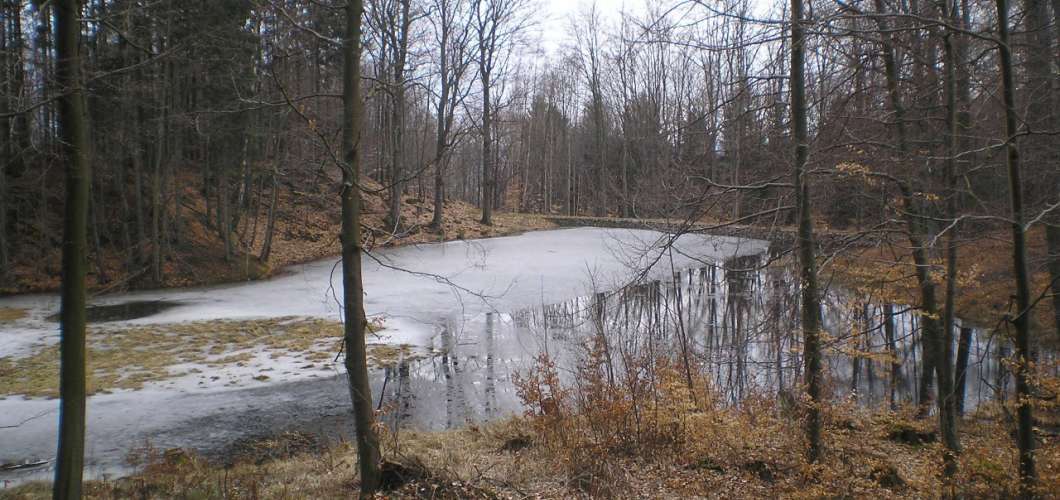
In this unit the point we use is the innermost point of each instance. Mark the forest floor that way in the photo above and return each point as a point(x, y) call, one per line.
point(306, 229)
point(985, 285)
point(756, 451)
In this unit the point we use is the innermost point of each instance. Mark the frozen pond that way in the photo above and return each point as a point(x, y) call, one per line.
point(478, 313)
point(429, 295)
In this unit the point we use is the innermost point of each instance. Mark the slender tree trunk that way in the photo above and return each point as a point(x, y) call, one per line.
point(488, 181)
point(156, 207)
point(224, 215)
point(568, 181)
point(963, 140)
point(75, 138)
point(1042, 96)
point(126, 232)
point(439, 193)
point(7, 145)
point(94, 209)
point(270, 225)
point(811, 305)
point(914, 226)
point(626, 201)
point(1024, 356)
point(896, 364)
point(441, 132)
point(964, 345)
point(353, 295)
point(398, 155)
point(20, 123)
point(5, 258)
point(138, 186)
point(1052, 238)
point(178, 198)
point(944, 366)
point(601, 150)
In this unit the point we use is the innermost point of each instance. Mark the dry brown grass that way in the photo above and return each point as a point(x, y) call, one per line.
point(129, 357)
point(596, 439)
point(10, 314)
point(751, 452)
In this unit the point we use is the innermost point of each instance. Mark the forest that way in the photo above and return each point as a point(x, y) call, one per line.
point(842, 206)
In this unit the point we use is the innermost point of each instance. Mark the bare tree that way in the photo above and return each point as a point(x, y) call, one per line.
point(452, 32)
point(73, 129)
point(499, 26)
point(391, 21)
point(811, 301)
point(590, 57)
point(1022, 320)
point(1042, 94)
point(944, 365)
point(353, 289)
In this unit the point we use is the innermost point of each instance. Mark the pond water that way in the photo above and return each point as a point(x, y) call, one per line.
point(123, 311)
point(738, 319)
point(478, 313)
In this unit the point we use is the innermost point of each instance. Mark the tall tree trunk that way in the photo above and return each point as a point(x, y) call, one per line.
point(156, 204)
point(224, 215)
point(270, 224)
point(963, 140)
point(964, 344)
point(353, 289)
point(896, 364)
point(911, 214)
point(1024, 356)
point(138, 186)
point(811, 305)
point(7, 146)
point(20, 123)
point(442, 125)
point(947, 402)
point(397, 125)
point(1042, 96)
point(74, 130)
point(1052, 238)
point(488, 173)
point(600, 146)
point(568, 180)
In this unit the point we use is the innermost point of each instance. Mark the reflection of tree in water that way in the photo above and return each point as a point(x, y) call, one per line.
point(490, 402)
point(736, 321)
point(455, 401)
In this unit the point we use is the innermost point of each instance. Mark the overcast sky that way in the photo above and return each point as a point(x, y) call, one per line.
point(555, 24)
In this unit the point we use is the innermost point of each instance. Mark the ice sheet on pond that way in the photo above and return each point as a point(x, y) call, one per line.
point(431, 282)
point(416, 288)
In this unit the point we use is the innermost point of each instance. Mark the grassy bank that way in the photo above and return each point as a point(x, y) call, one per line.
point(751, 452)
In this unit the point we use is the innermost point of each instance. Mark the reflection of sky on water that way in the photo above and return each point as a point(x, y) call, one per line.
point(740, 319)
